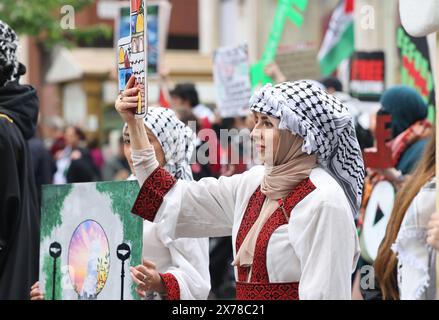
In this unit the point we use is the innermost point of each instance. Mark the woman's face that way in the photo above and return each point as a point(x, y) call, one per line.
point(159, 154)
point(127, 149)
point(265, 136)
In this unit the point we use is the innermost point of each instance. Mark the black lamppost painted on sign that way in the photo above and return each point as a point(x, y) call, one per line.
point(55, 252)
point(123, 253)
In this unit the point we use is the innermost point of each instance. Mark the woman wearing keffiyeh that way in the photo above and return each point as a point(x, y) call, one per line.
point(291, 219)
point(174, 139)
point(176, 269)
point(10, 69)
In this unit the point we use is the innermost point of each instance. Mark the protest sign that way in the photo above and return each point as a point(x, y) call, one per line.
point(232, 80)
point(158, 17)
point(139, 55)
point(89, 240)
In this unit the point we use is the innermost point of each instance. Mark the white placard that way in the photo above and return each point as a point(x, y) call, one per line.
point(232, 80)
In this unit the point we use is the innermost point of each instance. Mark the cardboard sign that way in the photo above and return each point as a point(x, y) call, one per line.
point(299, 64)
point(232, 80)
point(139, 54)
point(89, 240)
point(367, 80)
point(123, 62)
point(158, 17)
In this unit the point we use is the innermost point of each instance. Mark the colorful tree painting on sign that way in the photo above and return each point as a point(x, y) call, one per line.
point(89, 239)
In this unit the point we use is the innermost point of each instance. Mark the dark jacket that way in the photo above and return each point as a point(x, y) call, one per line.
point(19, 214)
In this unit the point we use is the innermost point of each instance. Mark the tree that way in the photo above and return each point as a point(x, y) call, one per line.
point(43, 20)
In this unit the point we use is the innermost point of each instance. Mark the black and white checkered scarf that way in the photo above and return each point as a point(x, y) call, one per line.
point(177, 140)
point(8, 52)
point(326, 126)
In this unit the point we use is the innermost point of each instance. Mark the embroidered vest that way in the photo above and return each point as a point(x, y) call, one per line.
point(259, 287)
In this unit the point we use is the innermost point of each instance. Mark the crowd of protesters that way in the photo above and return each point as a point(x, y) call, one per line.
point(64, 154)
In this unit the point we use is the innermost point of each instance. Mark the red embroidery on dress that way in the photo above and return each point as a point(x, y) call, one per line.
point(267, 291)
point(151, 194)
point(251, 214)
point(171, 285)
point(277, 219)
point(259, 267)
point(259, 286)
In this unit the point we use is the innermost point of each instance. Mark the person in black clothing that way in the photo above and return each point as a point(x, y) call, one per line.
point(19, 214)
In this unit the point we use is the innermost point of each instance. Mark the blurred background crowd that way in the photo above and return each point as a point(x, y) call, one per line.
point(79, 135)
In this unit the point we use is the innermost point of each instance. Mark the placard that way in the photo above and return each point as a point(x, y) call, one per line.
point(89, 240)
point(232, 80)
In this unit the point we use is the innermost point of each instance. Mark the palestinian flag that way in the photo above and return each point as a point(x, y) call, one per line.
point(338, 43)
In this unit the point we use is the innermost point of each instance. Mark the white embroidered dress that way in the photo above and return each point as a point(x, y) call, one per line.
point(311, 254)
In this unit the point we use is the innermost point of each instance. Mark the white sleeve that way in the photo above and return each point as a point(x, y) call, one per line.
point(326, 243)
point(413, 264)
point(413, 253)
point(193, 209)
point(190, 267)
point(144, 162)
point(202, 208)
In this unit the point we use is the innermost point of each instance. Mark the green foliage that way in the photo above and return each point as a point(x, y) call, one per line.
point(42, 19)
point(51, 206)
point(132, 225)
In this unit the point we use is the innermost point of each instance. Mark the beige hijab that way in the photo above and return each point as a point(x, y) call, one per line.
point(289, 167)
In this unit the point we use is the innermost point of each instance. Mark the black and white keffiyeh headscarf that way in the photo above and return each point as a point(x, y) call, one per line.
point(177, 140)
point(8, 53)
point(326, 126)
